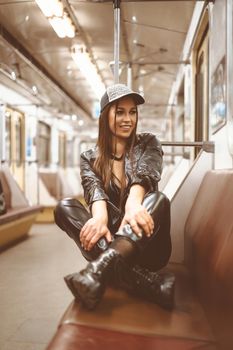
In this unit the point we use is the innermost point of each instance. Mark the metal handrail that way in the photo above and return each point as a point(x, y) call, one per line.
point(207, 146)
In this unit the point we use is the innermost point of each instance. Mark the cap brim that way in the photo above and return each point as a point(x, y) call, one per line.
point(136, 97)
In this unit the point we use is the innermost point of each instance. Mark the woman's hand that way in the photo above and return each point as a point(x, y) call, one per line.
point(136, 215)
point(139, 219)
point(96, 227)
point(92, 231)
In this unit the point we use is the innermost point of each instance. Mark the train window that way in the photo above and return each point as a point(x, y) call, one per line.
point(70, 153)
point(218, 67)
point(199, 99)
point(44, 134)
point(18, 140)
point(62, 149)
point(8, 137)
point(202, 89)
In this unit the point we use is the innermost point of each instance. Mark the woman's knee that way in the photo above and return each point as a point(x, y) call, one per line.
point(70, 210)
point(157, 204)
point(60, 209)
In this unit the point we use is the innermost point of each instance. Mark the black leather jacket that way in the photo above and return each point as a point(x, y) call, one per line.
point(147, 167)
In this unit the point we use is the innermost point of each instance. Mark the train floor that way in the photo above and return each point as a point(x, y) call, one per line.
point(33, 295)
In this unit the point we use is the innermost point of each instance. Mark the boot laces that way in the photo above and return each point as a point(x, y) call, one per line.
point(146, 276)
point(103, 262)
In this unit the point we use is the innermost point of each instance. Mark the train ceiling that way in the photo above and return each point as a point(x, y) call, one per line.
point(35, 61)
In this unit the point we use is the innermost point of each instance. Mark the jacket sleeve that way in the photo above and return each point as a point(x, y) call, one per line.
point(92, 184)
point(149, 166)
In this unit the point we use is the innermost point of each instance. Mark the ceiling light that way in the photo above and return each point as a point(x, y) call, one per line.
point(84, 63)
point(80, 122)
point(50, 8)
point(74, 117)
point(68, 26)
point(13, 75)
point(57, 17)
point(56, 23)
point(35, 90)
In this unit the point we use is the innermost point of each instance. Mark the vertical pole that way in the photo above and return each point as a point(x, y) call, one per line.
point(37, 155)
point(129, 75)
point(172, 134)
point(116, 39)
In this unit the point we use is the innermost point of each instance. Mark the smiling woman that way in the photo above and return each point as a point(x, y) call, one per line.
point(126, 235)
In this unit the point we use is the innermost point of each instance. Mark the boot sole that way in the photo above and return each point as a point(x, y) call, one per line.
point(79, 291)
point(169, 305)
point(68, 281)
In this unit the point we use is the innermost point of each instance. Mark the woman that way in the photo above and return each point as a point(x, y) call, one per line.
point(126, 235)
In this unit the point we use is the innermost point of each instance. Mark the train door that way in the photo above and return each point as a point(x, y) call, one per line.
point(15, 144)
point(202, 84)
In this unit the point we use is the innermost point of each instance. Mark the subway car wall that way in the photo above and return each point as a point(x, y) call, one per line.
point(179, 56)
point(34, 142)
point(39, 143)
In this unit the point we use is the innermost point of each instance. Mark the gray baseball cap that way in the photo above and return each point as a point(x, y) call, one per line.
point(117, 91)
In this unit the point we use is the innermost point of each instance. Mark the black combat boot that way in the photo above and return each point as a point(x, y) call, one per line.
point(88, 285)
point(157, 287)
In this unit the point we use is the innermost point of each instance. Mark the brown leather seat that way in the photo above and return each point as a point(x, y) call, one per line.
point(209, 238)
point(21, 217)
point(203, 313)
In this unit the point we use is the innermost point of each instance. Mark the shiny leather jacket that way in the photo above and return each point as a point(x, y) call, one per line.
point(147, 168)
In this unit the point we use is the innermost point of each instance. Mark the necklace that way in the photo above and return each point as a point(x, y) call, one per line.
point(114, 157)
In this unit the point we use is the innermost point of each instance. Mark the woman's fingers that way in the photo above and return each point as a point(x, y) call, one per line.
point(92, 240)
point(92, 233)
point(140, 222)
point(89, 244)
point(108, 236)
point(136, 229)
point(146, 223)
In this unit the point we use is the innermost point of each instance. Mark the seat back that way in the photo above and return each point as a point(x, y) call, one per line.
point(6, 190)
point(209, 251)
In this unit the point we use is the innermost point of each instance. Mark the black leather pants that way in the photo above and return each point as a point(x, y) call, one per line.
point(153, 253)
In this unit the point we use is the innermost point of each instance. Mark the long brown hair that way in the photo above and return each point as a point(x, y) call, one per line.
point(103, 163)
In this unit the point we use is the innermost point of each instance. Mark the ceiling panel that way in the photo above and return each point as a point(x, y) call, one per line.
point(150, 43)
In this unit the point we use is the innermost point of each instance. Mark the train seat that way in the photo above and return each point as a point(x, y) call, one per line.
point(16, 222)
point(203, 314)
point(61, 183)
point(52, 181)
point(55, 185)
